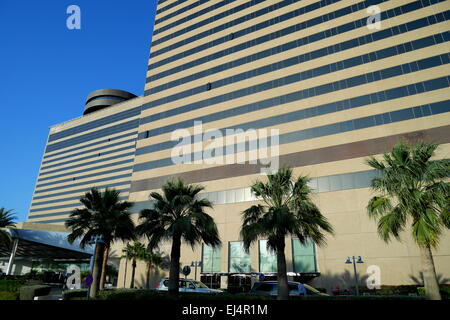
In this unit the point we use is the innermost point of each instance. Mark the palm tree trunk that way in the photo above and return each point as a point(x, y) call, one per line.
point(133, 271)
point(429, 274)
point(96, 273)
point(104, 264)
point(174, 274)
point(149, 268)
point(283, 290)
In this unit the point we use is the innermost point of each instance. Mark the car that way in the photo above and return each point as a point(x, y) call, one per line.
point(187, 285)
point(270, 288)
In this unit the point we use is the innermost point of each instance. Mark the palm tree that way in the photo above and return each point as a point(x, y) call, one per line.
point(103, 215)
point(135, 251)
point(411, 192)
point(178, 214)
point(152, 260)
point(7, 218)
point(287, 210)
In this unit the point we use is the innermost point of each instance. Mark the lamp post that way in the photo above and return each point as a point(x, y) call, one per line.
point(95, 239)
point(196, 264)
point(355, 260)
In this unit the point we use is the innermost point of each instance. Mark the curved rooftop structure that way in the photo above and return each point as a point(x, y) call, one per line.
point(103, 98)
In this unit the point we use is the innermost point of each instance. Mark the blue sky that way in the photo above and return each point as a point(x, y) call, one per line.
point(47, 70)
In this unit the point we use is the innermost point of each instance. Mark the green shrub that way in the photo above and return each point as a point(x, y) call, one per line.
point(9, 295)
point(74, 294)
point(444, 290)
point(10, 285)
point(29, 292)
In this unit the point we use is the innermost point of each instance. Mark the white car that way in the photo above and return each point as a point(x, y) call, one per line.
point(187, 285)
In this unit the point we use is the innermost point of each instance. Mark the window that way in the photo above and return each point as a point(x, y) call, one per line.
point(239, 260)
point(211, 259)
point(208, 86)
point(267, 258)
point(304, 256)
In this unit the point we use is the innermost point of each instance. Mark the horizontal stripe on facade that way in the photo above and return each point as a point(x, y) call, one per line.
point(109, 185)
point(50, 221)
point(91, 150)
point(346, 181)
point(169, 6)
point(221, 15)
point(269, 22)
point(336, 106)
point(350, 82)
point(300, 159)
point(268, 37)
point(84, 164)
point(110, 139)
point(299, 42)
point(300, 76)
point(96, 155)
point(40, 185)
point(85, 169)
point(121, 176)
point(40, 203)
point(302, 58)
point(95, 124)
point(70, 205)
point(315, 132)
point(194, 15)
point(133, 124)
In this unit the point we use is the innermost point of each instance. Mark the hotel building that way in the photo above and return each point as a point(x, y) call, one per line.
point(339, 83)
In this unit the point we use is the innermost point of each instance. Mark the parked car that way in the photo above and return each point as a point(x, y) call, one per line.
point(295, 289)
point(187, 285)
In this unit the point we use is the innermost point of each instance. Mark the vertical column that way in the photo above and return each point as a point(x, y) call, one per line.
point(12, 256)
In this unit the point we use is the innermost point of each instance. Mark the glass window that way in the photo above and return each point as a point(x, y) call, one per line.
point(231, 196)
point(239, 260)
point(323, 184)
point(304, 256)
point(221, 197)
point(239, 193)
point(267, 258)
point(211, 259)
point(335, 183)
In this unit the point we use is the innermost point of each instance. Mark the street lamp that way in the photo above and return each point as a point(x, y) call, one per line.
point(355, 260)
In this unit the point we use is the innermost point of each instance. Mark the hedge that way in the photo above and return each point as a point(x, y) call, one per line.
point(444, 290)
point(11, 285)
point(29, 292)
point(9, 295)
point(74, 294)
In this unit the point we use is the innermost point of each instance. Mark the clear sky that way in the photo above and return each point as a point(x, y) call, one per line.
point(47, 70)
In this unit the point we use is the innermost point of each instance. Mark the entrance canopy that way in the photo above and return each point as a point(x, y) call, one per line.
point(37, 244)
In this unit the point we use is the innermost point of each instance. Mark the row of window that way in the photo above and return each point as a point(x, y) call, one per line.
point(169, 6)
point(40, 185)
point(109, 139)
point(91, 182)
point(64, 193)
point(96, 155)
point(354, 180)
point(293, 44)
point(96, 123)
point(297, 95)
point(239, 261)
point(73, 198)
point(335, 128)
point(133, 124)
point(304, 75)
point(71, 205)
point(190, 7)
point(327, 108)
point(253, 15)
point(294, 96)
point(265, 38)
point(110, 145)
point(124, 155)
point(304, 57)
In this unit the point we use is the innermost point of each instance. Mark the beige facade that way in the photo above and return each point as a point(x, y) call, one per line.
point(353, 92)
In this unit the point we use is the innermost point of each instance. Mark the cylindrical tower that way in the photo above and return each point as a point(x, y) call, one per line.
point(103, 98)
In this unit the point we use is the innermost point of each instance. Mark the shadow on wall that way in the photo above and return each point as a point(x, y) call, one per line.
point(345, 280)
point(419, 280)
point(156, 274)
